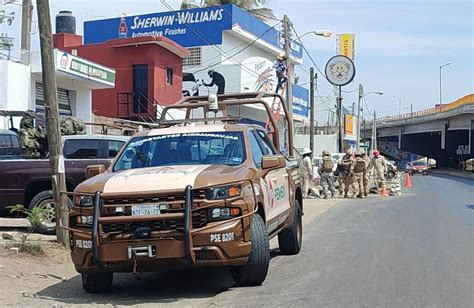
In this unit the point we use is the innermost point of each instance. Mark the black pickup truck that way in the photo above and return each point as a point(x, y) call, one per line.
point(28, 181)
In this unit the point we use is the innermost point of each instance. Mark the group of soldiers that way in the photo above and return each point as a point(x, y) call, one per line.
point(33, 140)
point(353, 173)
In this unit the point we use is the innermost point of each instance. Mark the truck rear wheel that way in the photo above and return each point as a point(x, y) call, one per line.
point(97, 282)
point(255, 271)
point(45, 200)
point(290, 240)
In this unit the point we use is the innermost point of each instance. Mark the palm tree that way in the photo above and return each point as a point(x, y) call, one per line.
point(254, 7)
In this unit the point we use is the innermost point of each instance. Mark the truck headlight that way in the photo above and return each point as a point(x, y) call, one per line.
point(220, 213)
point(224, 192)
point(85, 201)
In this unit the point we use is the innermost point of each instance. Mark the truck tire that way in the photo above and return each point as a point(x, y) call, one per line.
point(290, 240)
point(45, 200)
point(256, 269)
point(97, 282)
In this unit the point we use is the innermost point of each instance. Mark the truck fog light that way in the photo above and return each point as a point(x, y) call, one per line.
point(220, 213)
point(84, 220)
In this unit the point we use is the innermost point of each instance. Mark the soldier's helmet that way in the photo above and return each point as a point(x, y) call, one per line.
point(358, 153)
point(26, 122)
point(326, 153)
point(349, 152)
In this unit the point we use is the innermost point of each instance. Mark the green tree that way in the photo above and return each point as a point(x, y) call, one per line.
point(257, 8)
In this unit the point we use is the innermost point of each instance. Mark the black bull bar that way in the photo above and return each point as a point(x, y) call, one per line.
point(188, 229)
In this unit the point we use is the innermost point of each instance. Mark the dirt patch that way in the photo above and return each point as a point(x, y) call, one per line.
point(23, 275)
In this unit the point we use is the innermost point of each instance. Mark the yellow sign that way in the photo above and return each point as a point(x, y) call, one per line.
point(349, 124)
point(347, 45)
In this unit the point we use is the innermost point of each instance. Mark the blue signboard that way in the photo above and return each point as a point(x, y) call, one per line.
point(196, 27)
point(300, 101)
point(189, 28)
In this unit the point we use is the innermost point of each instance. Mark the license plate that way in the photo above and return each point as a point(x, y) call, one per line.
point(145, 210)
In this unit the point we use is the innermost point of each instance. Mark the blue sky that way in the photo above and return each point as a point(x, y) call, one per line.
point(399, 44)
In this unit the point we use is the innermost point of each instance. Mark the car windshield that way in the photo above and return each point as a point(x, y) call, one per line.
point(213, 148)
point(418, 163)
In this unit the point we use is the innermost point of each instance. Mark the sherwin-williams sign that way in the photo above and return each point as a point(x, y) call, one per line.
point(189, 28)
point(80, 67)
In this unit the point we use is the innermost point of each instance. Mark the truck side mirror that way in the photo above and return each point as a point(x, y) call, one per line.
point(94, 170)
point(273, 162)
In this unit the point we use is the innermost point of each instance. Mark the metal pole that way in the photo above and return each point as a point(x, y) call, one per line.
point(411, 110)
point(361, 94)
point(339, 117)
point(440, 97)
point(286, 36)
point(26, 13)
point(56, 158)
point(375, 131)
point(312, 79)
point(399, 106)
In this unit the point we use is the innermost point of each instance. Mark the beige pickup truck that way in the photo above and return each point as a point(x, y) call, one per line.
point(195, 192)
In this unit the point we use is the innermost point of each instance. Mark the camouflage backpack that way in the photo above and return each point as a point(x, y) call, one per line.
point(72, 126)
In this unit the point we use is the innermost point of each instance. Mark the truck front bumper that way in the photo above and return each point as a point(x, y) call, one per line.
point(221, 243)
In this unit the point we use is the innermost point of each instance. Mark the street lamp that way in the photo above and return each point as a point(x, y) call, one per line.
point(362, 95)
point(323, 33)
point(399, 104)
point(440, 86)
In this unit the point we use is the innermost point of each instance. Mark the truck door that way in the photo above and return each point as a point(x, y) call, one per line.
point(275, 181)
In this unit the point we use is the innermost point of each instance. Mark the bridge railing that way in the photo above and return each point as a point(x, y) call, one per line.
point(468, 99)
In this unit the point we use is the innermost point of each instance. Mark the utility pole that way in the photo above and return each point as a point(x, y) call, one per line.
point(339, 120)
point(375, 130)
point(287, 48)
point(56, 158)
point(411, 110)
point(312, 79)
point(27, 10)
point(361, 94)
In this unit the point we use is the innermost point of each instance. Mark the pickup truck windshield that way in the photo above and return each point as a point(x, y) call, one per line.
point(213, 148)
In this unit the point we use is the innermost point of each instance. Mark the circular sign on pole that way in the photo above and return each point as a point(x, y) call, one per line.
point(340, 70)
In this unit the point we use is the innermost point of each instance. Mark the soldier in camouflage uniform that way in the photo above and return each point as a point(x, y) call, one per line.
point(363, 154)
point(357, 170)
point(31, 138)
point(345, 179)
point(327, 180)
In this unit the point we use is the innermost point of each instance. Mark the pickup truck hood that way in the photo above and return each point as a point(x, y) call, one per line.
point(166, 178)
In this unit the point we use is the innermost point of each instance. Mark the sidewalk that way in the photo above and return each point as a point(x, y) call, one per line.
point(453, 172)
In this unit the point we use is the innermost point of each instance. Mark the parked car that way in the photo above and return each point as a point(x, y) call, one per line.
point(418, 167)
point(28, 181)
point(9, 145)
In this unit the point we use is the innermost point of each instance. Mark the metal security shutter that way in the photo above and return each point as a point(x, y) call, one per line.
point(63, 100)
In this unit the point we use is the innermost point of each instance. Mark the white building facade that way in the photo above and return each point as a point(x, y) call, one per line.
point(21, 87)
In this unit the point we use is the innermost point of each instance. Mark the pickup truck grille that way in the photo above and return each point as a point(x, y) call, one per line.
point(199, 220)
point(198, 195)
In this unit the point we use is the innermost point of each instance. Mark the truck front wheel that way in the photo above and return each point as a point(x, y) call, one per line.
point(97, 282)
point(255, 271)
point(290, 240)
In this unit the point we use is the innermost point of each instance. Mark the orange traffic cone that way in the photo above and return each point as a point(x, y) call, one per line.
point(407, 180)
point(384, 192)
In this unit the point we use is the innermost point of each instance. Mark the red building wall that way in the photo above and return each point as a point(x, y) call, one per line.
point(122, 54)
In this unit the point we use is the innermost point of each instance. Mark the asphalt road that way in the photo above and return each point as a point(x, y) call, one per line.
point(413, 250)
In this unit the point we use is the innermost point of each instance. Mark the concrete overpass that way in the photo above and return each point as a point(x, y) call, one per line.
point(444, 133)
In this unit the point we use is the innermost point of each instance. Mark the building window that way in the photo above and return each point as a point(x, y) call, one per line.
point(169, 76)
point(195, 58)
